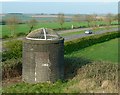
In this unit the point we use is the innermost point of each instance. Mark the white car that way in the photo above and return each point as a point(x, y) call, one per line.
point(88, 32)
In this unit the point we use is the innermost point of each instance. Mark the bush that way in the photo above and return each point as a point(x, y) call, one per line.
point(11, 68)
point(11, 59)
point(91, 76)
point(5, 36)
point(34, 89)
point(80, 43)
point(14, 50)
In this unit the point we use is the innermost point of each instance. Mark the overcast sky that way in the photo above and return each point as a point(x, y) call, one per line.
point(60, 7)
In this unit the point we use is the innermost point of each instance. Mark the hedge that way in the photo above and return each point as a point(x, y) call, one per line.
point(81, 43)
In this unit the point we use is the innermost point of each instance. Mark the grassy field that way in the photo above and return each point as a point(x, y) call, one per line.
point(23, 28)
point(86, 71)
point(107, 51)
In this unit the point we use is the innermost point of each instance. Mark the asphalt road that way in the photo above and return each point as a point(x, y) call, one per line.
point(69, 38)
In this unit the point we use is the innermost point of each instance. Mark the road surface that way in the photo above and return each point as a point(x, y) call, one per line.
point(68, 38)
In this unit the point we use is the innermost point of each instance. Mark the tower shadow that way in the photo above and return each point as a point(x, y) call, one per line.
point(72, 65)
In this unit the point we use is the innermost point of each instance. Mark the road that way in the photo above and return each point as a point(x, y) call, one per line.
point(68, 38)
point(80, 29)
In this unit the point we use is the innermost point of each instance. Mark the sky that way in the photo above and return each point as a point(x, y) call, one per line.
point(60, 7)
point(62, 0)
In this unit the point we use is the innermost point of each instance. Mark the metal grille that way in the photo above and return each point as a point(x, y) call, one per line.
point(43, 34)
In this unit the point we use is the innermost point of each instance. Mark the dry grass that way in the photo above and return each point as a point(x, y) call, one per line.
point(96, 77)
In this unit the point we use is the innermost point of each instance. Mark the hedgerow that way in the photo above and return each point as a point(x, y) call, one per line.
point(81, 43)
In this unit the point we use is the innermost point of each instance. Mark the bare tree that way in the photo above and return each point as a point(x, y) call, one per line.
point(61, 19)
point(76, 18)
point(12, 24)
point(109, 19)
point(32, 23)
point(94, 21)
point(116, 17)
point(89, 18)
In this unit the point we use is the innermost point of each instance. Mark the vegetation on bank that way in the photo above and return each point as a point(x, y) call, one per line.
point(78, 46)
point(81, 76)
point(82, 73)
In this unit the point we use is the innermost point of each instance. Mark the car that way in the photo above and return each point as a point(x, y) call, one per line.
point(88, 32)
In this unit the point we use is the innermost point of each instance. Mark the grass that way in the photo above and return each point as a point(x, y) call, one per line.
point(106, 51)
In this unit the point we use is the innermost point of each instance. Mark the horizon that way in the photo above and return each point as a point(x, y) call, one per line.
point(57, 13)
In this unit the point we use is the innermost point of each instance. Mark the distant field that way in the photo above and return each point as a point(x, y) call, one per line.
point(23, 28)
point(107, 51)
point(44, 17)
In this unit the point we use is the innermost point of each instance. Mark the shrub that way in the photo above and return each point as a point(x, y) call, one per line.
point(11, 68)
point(11, 59)
point(80, 43)
point(14, 50)
point(91, 76)
point(5, 36)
